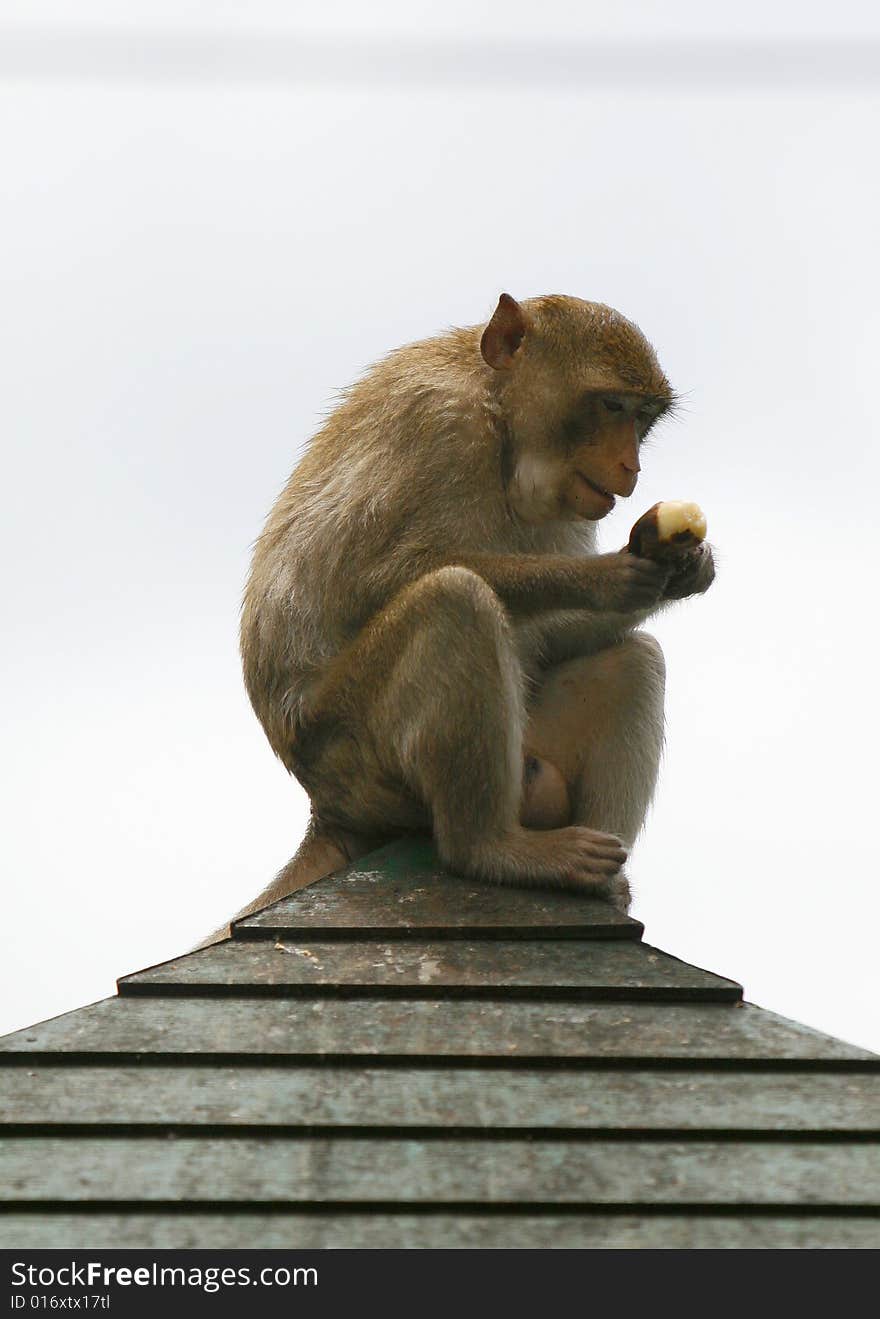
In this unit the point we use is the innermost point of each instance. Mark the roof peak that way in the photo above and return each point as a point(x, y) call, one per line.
point(402, 890)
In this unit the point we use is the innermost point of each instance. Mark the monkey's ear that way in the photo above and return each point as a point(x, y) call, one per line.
point(504, 333)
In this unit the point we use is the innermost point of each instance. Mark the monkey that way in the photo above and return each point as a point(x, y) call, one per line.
point(429, 637)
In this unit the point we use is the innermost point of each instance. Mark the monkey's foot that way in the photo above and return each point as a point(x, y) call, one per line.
point(575, 858)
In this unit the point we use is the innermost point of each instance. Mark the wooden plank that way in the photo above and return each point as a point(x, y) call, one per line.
point(432, 1097)
point(560, 968)
point(402, 891)
point(462, 1231)
point(477, 1031)
point(343, 1170)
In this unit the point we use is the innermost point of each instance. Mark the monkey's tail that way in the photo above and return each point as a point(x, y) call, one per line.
point(324, 848)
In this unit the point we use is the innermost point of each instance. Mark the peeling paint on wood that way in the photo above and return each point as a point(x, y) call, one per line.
point(647, 1032)
point(460, 1231)
point(320, 1170)
point(438, 1097)
point(543, 968)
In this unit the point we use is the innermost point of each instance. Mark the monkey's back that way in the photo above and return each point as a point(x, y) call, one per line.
point(404, 473)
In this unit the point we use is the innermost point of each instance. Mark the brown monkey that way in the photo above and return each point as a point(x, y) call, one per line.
point(429, 638)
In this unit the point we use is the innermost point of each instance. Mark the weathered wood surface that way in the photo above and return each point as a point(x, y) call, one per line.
point(577, 1032)
point(543, 968)
point(402, 891)
point(432, 1097)
point(340, 1170)
point(382, 1231)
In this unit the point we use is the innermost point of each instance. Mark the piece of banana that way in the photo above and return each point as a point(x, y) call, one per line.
point(667, 529)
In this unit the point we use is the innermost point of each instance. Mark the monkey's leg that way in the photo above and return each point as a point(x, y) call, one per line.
point(599, 720)
point(434, 735)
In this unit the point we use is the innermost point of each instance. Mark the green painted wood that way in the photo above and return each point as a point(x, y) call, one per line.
point(543, 968)
point(402, 891)
point(467, 1231)
point(117, 1028)
point(322, 1170)
point(437, 1097)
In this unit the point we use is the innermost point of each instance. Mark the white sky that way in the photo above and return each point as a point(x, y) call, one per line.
point(496, 19)
point(192, 266)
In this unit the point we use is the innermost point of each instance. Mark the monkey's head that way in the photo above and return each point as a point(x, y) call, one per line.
point(579, 387)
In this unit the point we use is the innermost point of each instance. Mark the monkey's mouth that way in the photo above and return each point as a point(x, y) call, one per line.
point(599, 490)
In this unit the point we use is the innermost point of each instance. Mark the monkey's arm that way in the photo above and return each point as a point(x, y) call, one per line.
point(529, 584)
point(584, 632)
point(572, 635)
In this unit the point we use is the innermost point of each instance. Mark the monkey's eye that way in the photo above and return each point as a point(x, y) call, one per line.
point(612, 404)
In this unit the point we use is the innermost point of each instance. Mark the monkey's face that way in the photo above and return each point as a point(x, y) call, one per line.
point(580, 387)
point(600, 443)
point(577, 463)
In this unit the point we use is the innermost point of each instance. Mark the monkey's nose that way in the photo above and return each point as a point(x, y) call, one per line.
point(627, 481)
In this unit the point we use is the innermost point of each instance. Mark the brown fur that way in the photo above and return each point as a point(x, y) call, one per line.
point(432, 554)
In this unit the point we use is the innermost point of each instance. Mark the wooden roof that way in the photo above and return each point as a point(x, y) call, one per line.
point(396, 1056)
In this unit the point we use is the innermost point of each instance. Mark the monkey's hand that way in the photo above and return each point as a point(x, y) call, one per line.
point(624, 583)
point(692, 572)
